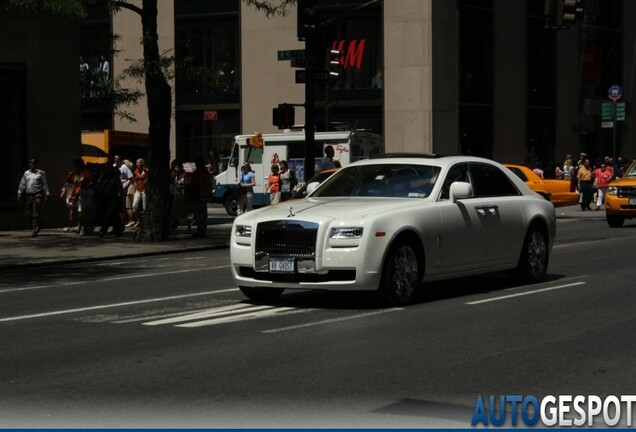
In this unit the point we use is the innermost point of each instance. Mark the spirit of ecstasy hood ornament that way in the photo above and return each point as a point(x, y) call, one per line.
point(291, 212)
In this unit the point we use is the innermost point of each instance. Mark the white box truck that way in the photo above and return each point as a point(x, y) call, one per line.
point(349, 146)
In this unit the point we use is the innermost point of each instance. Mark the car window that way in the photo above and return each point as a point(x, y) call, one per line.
point(519, 173)
point(491, 181)
point(456, 173)
point(381, 180)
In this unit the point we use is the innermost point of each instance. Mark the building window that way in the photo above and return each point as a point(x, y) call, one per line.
point(476, 77)
point(12, 130)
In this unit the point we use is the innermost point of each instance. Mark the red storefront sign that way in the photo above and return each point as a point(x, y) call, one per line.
point(210, 115)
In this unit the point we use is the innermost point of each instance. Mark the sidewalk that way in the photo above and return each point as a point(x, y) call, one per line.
point(53, 246)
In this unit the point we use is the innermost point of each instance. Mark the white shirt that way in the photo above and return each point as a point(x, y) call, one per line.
point(33, 182)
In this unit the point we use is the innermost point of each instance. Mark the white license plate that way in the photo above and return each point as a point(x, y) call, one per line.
point(281, 265)
point(632, 200)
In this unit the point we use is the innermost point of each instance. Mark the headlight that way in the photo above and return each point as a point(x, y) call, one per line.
point(243, 231)
point(345, 237)
point(612, 190)
point(345, 233)
point(243, 234)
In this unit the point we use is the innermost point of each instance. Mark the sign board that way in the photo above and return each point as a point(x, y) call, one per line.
point(615, 92)
point(210, 115)
point(320, 76)
point(620, 111)
point(608, 111)
point(291, 54)
point(608, 124)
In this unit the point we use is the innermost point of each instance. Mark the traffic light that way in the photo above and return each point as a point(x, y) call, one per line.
point(571, 11)
point(306, 18)
point(256, 140)
point(334, 63)
point(283, 117)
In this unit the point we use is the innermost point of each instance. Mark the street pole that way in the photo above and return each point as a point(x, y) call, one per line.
point(310, 115)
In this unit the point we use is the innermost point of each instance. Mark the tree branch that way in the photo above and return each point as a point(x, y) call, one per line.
point(121, 4)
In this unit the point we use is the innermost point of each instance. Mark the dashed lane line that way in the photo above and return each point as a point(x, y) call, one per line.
point(492, 299)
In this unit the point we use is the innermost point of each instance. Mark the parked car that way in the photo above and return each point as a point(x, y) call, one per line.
point(391, 224)
point(316, 180)
point(620, 200)
point(558, 192)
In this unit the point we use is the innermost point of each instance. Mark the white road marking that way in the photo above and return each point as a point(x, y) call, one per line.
point(219, 311)
point(113, 305)
point(109, 279)
point(525, 293)
point(253, 313)
point(330, 321)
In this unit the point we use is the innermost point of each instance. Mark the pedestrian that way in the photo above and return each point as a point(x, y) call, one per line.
point(602, 179)
point(126, 178)
point(109, 189)
point(129, 193)
point(35, 190)
point(178, 210)
point(85, 182)
point(288, 181)
point(246, 184)
point(196, 193)
point(586, 188)
point(139, 199)
point(538, 170)
point(70, 195)
point(327, 161)
point(568, 174)
point(273, 185)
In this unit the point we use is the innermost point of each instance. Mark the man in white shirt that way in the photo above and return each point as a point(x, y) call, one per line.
point(34, 188)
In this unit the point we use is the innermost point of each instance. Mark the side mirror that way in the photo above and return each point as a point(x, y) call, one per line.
point(312, 187)
point(460, 190)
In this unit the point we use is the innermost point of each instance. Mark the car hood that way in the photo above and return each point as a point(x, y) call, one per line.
point(324, 209)
point(624, 181)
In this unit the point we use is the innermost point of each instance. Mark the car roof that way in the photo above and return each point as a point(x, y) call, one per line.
point(422, 158)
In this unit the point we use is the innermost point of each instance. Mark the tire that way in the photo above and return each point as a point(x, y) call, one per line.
point(401, 273)
point(615, 221)
point(533, 262)
point(231, 205)
point(262, 295)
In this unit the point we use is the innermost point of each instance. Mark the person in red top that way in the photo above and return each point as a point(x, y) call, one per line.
point(603, 177)
point(139, 199)
point(273, 185)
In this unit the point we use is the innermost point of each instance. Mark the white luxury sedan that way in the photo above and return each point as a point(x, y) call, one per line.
point(391, 224)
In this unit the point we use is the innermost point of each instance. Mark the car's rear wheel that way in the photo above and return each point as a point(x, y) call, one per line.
point(533, 262)
point(401, 273)
point(262, 295)
point(615, 221)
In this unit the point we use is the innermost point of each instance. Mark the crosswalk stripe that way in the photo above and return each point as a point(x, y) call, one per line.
point(220, 311)
point(244, 317)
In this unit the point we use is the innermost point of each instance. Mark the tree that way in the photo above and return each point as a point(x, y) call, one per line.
point(158, 92)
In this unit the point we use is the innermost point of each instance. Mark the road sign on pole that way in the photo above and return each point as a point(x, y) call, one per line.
point(291, 54)
point(615, 92)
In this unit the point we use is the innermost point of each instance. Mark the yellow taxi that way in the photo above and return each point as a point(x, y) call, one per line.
point(620, 200)
point(558, 192)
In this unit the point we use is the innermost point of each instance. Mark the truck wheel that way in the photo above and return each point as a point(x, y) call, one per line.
point(231, 205)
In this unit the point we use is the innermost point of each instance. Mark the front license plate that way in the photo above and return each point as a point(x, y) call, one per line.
point(281, 265)
point(632, 200)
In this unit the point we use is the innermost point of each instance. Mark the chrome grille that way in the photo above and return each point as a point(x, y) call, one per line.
point(286, 238)
point(626, 191)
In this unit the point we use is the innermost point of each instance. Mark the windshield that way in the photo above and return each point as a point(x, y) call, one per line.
point(381, 180)
point(631, 172)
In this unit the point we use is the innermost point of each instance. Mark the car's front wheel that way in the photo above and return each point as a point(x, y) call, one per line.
point(533, 262)
point(401, 273)
point(262, 295)
point(615, 221)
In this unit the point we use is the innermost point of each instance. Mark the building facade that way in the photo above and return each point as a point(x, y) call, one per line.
point(481, 77)
point(40, 110)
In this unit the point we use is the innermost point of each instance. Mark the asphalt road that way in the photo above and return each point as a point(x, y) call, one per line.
point(170, 342)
